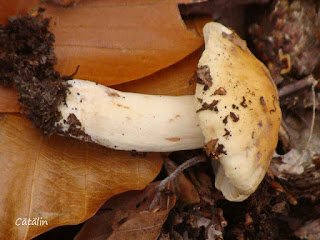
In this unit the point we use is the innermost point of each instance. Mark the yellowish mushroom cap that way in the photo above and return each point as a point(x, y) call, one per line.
point(238, 110)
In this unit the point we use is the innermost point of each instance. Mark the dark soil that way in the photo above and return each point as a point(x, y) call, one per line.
point(27, 62)
point(275, 211)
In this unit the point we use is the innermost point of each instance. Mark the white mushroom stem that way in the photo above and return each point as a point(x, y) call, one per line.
point(131, 121)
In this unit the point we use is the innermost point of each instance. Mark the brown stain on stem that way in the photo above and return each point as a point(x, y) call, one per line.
point(120, 105)
point(173, 139)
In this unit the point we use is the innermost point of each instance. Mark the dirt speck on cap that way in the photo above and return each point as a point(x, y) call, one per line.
point(262, 101)
point(225, 120)
point(234, 117)
point(220, 91)
point(243, 103)
point(212, 106)
point(202, 76)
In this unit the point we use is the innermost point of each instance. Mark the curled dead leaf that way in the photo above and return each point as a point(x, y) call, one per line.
point(63, 181)
point(127, 216)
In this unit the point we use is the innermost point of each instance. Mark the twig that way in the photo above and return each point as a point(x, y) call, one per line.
point(285, 137)
point(70, 77)
point(163, 184)
point(288, 89)
point(312, 121)
point(180, 169)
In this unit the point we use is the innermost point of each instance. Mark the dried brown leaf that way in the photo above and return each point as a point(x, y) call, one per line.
point(115, 41)
point(63, 181)
point(119, 41)
point(127, 216)
point(300, 158)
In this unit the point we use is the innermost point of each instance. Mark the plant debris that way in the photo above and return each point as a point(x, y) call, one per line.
point(202, 76)
point(287, 35)
point(220, 91)
point(27, 60)
point(272, 212)
point(120, 219)
point(75, 129)
point(198, 220)
point(310, 230)
point(243, 103)
point(234, 117)
point(212, 106)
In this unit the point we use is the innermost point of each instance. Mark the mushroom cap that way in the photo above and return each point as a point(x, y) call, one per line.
point(238, 110)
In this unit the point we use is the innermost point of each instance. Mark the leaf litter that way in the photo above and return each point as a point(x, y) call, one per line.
point(120, 219)
point(64, 181)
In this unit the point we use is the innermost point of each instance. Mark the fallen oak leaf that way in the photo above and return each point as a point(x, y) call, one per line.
point(91, 34)
point(127, 216)
point(90, 43)
point(62, 181)
point(18, 7)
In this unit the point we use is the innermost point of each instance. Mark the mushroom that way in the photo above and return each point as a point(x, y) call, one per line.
point(130, 121)
point(241, 129)
point(234, 115)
